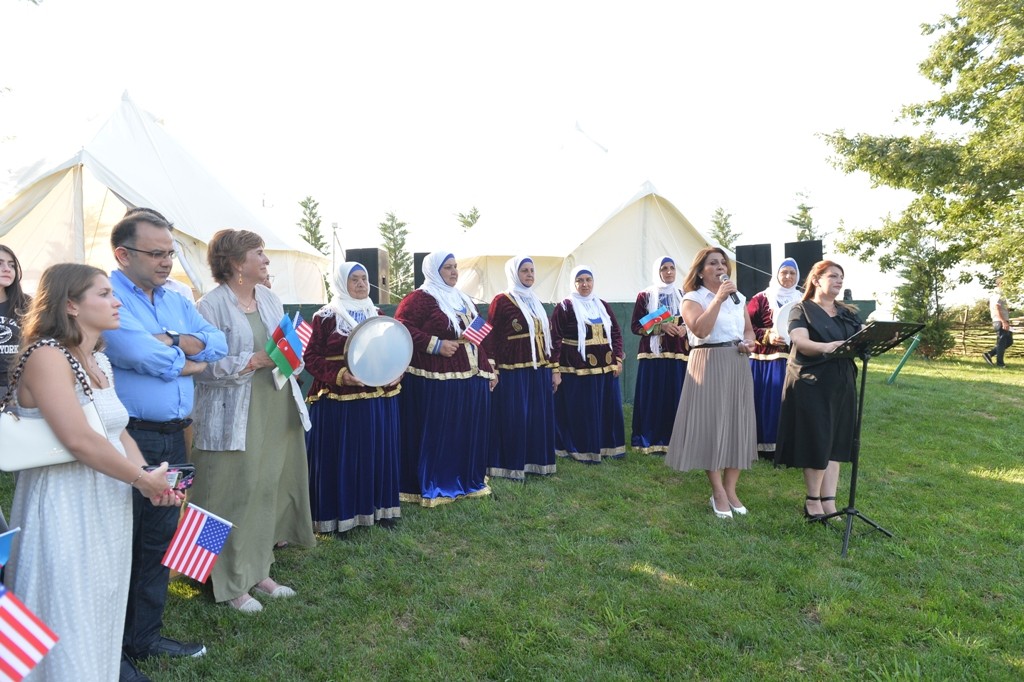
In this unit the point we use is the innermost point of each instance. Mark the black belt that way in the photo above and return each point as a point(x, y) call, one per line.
point(173, 426)
point(724, 344)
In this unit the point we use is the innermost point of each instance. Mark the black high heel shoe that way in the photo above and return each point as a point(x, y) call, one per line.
point(811, 518)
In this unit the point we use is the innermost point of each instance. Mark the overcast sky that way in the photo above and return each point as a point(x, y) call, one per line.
point(428, 109)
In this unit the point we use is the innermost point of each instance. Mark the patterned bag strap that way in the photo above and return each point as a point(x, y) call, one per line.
point(76, 367)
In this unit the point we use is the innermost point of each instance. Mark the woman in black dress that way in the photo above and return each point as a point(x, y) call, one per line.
point(819, 404)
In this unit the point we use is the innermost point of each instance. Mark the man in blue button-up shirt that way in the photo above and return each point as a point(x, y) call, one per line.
point(161, 342)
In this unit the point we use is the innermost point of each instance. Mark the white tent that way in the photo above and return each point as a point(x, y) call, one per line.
point(65, 211)
point(621, 251)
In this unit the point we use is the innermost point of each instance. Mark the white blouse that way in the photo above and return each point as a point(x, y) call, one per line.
point(730, 323)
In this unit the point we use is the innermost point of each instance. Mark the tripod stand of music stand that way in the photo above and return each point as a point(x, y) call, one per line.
point(874, 339)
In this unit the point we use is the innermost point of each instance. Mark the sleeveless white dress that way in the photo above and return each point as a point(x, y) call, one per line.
point(71, 562)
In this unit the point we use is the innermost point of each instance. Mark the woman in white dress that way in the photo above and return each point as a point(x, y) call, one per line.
point(72, 560)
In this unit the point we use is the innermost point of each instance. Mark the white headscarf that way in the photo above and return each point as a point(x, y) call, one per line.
point(528, 303)
point(655, 292)
point(348, 311)
point(450, 300)
point(587, 308)
point(779, 295)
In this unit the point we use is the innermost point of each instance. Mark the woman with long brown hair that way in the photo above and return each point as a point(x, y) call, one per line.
point(77, 514)
point(819, 402)
point(714, 428)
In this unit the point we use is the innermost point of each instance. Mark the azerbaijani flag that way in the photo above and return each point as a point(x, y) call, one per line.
point(6, 540)
point(649, 321)
point(285, 348)
point(24, 639)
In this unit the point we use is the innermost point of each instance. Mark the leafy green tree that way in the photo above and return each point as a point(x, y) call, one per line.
point(919, 297)
point(468, 220)
point(310, 226)
point(803, 222)
point(721, 229)
point(966, 167)
point(393, 235)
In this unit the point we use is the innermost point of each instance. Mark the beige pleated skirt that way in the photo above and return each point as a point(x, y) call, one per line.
point(714, 426)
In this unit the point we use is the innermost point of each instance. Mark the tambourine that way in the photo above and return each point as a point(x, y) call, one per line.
point(782, 321)
point(378, 350)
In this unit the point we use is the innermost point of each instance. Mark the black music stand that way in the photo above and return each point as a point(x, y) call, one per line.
point(874, 339)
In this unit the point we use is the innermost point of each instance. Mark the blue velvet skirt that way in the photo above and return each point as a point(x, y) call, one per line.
point(588, 417)
point(659, 383)
point(769, 376)
point(444, 439)
point(352, 451)
point(522, 424)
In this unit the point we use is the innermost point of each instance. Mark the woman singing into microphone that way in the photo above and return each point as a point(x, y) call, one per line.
point(714, 428)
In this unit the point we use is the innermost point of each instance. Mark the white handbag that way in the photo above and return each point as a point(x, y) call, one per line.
point(29, 442)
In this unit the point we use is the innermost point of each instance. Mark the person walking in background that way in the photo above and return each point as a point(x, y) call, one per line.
point(714, 428)
point(661, 360)
point(161, 343)
point(250, 449)
point(586, 342)
point(768, 361)
point(1001, 323)
point(523, 404)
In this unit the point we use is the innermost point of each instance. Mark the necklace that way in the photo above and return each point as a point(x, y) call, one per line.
point(248, 307)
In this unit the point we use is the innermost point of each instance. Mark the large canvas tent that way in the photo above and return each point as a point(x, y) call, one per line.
point(64, 211)
point(621, 251)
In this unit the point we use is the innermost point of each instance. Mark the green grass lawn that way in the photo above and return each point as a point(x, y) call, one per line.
point(621, 572)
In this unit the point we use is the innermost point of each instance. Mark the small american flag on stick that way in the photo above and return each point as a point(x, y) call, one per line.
point(197, 543)
point(477, 331)
point(24, 639)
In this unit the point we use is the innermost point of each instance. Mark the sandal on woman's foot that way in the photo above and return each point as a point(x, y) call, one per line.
point(811, 518)
point(272, 589)
point(245, 604)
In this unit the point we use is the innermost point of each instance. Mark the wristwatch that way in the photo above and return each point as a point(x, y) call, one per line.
point(175, 337)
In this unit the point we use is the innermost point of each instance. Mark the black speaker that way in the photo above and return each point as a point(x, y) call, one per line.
point(376, 263)
point(417, 268)
point(806, 254)
point(753, 268)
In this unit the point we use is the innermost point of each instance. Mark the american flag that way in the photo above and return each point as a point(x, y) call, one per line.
point(24, 639)
point(303, 329)
point(477, 330)
point(196, 543)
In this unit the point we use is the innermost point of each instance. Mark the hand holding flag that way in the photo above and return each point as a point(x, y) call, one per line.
point(477, 330)
point(651, 320)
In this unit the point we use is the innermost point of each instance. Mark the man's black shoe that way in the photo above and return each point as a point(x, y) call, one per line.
point(130, 673)
point(165, 646)
point(988, 358)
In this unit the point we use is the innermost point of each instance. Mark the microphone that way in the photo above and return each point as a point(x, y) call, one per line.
point(725, 278)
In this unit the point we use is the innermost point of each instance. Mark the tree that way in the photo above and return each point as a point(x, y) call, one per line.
point(310, 225)
point(803, 222)
point(919, 297)
point(394, 234)
point(468, 220)
point(721, 229)
point(966, 168)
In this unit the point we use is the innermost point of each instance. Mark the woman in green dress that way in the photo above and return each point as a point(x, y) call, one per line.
point(249, 448)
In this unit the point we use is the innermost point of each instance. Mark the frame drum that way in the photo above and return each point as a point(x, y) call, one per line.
point(378, 350)
point(781, 325)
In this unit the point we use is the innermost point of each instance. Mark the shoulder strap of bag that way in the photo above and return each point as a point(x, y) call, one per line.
point(76, 367)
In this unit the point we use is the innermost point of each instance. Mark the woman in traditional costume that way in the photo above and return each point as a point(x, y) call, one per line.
point(586, 342)
point(353, 445)
point(523, 404)
point(661, 360)
point(446, 392)
point(768, 361)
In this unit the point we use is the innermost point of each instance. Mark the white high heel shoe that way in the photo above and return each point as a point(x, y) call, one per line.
point(741, 510)
point(719, 514)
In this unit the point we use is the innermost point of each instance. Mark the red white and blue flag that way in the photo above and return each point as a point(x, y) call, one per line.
point(649, 321)
point(196, 543)
point(24, 639)
point(303, 330)
point(477, 330)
